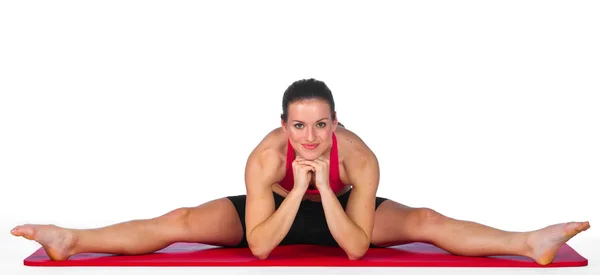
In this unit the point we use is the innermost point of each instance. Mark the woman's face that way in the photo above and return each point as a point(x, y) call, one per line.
point(310, 127)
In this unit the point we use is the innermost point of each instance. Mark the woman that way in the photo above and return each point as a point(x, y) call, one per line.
point(308, 181)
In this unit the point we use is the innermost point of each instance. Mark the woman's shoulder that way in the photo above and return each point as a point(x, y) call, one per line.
point(352, 149)
point(358, 163)
point(270, 151)
point(351, 143)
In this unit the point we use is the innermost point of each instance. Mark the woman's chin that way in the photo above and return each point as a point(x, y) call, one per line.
point(310, 155)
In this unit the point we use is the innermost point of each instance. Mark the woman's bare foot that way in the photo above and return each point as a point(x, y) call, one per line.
point(546, 242)
point(59, 243)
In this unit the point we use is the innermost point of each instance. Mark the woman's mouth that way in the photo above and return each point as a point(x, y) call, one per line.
point(310, 146)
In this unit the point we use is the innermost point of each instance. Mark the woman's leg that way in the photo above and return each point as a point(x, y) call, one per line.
point(215, 222)
point(398, 224)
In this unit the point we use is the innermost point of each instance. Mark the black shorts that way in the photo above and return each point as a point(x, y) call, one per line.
point(310, 225)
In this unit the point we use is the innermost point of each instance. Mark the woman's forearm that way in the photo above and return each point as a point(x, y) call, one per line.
point(268, 234)
point(349, 236)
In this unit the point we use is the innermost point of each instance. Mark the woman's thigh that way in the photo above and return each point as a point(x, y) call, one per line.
point(216, 222)
point(397, 224)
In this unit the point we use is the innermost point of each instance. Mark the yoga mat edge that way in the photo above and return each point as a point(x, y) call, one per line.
point(197, 255)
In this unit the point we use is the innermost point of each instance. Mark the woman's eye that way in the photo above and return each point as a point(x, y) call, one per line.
point(298, 126)
point(321, 124)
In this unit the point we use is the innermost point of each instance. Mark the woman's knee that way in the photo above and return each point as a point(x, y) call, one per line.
point(427, 217)
point(178, 218)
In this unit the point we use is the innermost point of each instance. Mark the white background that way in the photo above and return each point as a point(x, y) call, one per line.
point(118, 110)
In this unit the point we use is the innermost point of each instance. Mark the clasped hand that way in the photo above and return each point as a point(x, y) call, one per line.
point(302, 172)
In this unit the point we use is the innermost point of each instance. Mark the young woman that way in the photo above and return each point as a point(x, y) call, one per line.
point(308, 181)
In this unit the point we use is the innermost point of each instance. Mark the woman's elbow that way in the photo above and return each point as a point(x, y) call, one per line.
point(260, 254)
point(259, 250)
point(355, 255)
point(358, 252)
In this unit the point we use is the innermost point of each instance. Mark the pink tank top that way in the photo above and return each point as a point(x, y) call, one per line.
point(334, 170)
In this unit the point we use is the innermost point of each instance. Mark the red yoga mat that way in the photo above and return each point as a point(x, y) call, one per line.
point(408, 255)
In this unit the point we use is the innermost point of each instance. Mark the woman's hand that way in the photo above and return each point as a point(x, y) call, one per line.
point(320, 167)
point(302, 174)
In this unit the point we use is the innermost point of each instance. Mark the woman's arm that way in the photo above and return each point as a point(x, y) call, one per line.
point(265, 227)
point(351, 229)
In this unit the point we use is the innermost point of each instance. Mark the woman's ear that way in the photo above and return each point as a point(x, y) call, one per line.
point(335, 121)
point(283, 124)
